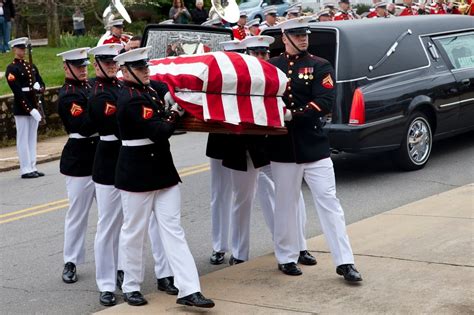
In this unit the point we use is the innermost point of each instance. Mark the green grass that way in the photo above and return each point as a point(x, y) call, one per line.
point(50, 66)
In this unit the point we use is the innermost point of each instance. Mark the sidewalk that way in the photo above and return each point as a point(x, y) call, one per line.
point(47, 150)
point(416, 259)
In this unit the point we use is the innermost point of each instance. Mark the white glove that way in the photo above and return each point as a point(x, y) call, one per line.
point(178, 109)
point(169, 101)
point(288, 116)
point(37, 86)
point(36, 114)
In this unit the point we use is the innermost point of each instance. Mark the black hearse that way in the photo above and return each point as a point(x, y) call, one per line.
point(401, 82)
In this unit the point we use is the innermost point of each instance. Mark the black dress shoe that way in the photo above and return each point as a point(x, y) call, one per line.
point(39, 173)
point(134, 298)
point(217, 258)
point(167, 285)
point(69, 273)
point(30, 175)
point(235, 261)
point(349, 272)
point(290, 269)
point(119, 279)
point(107, 298)
point(306, 258)
point(196, 299)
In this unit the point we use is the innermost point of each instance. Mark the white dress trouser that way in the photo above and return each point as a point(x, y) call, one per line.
point(106, 243)
point(162, 266)
point(165, 204)
point(266, 197)
point(221, 203)
point(320, 178)
point(80, 192)
point(26, 136)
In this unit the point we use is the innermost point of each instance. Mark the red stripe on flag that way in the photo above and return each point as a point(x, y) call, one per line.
point(214, 99)
point(272, 84)
point(244, 82)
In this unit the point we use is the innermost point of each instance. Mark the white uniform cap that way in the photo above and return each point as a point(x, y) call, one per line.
point(216, 21)
point(135, 57)
point(294, 8)
point(107, 51)
point(296, 26)
point(115, 23)
point(270, 9)
point(381, 5)
point(232, 45)
point(329, 5)
point(258, 41)
point(243, 13)
point(254, 22)
point(76, 57)
point(19, 42)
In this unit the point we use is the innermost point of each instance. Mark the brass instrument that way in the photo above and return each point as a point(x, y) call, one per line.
point(225, 9)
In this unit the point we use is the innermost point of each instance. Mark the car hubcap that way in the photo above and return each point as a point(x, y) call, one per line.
point(419, 141)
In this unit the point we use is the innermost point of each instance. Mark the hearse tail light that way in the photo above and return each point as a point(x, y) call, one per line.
point(357, 116)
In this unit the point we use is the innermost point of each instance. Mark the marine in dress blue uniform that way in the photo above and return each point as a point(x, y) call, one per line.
point(25, 81)
point(304, 153)
point(148, 183)
point(77, 157)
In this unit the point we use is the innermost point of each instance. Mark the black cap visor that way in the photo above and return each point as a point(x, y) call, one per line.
point(142, 63)
point(105, 57)
point(298, 31)
point(21, 46)
point(261, 49)
point(78, 62)
point(240, 51)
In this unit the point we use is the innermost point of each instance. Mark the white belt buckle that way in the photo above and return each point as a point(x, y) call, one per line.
point(136, 143)
point(79, 136)
point(108, 138)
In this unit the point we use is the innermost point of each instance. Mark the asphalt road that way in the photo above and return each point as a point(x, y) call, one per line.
point(32, 213)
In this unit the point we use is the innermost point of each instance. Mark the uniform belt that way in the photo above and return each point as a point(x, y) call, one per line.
point(79, 136)
point(26, 89)
point(108, 138)
point(136, 143)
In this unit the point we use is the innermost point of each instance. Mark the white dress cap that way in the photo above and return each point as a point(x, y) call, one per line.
point(118, 22)
point(106, 50)
point(270, 9)
point(77, 57)
point(258, 41)
point(232, 45)
point(254, 22)
point(19, 42)
point(296, 26)
point(135, 57)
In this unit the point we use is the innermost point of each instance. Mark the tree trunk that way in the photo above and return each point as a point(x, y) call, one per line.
point(53, 23)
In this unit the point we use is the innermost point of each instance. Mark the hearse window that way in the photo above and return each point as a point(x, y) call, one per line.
point(459, 49)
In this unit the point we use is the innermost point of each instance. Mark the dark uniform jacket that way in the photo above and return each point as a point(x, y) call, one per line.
point(237, 146)
point(310, 95)
point(216, 145)
point(20, 75)
point(141, 115)
point(102, 112)
point(78, 154)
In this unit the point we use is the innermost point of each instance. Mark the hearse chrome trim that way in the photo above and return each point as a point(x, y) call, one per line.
point(456, 103)
point(378, 122)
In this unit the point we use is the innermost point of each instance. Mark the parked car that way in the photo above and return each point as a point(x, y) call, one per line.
point(401, 83)
point(254, 8)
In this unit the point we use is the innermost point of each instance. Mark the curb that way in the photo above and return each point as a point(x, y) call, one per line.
point(43, 160)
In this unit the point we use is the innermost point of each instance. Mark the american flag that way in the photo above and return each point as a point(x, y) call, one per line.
point(225, 87)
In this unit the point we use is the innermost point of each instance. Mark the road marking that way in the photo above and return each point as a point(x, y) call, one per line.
point(63, 203)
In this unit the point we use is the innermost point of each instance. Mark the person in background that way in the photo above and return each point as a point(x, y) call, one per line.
point(239, 30)
point(324, 16)
point(253, 28)
point(380, 11)
point(24, 80)
point(179, 13)
point(133, 43)
point(199, 15)
point(345, 12)
point(116, 34)
point(78, 23)
point(293, 10)
point(7, 14)
point(270, 13)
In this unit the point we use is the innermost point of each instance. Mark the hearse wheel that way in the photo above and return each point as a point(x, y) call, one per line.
point(416, 145)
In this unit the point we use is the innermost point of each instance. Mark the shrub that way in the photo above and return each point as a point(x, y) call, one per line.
point(70, 41)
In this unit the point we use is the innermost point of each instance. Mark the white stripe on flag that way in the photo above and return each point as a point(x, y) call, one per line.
point(197, 69)
point(258, 105)
point(229, 85)
point(283, 80)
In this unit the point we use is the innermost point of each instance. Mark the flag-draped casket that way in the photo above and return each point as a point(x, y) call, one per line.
point(238, 91)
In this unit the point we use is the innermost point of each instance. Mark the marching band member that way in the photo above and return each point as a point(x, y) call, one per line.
point(410, 9)
point(77, 157)
point(309, 96)
point(102, 112)
point(331, 7)
point(324, 16)
point(440, 7)
point(258, 47)
point(221, 186)
point(240, 30)
point(345, 12)
point(116, 36)
point(25, 81)
point(148, 183)
point(380, 11)
point(293, 10)
point(270, 13)
point(253, 28)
